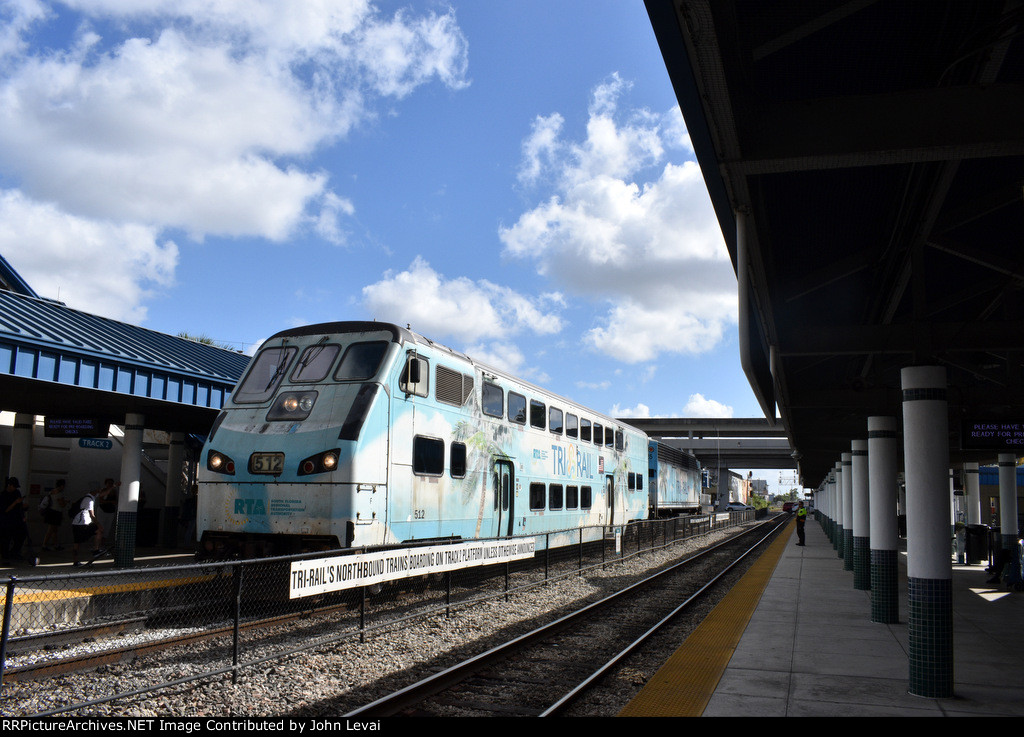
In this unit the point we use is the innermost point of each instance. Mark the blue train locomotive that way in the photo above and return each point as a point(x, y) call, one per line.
point(363, 433)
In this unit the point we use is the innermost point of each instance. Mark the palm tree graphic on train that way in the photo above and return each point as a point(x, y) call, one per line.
point(483, 443)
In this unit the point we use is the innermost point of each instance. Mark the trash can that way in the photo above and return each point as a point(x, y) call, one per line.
point(977, 543)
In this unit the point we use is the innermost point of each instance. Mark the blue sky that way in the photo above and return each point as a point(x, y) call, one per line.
point(513, 179)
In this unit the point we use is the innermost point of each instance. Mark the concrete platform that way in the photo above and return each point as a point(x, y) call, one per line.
point(811, 649)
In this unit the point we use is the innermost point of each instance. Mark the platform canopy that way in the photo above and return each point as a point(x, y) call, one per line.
point(61, 362)
point(865, 161)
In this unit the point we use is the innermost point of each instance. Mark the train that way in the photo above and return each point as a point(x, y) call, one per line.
point(353, 434)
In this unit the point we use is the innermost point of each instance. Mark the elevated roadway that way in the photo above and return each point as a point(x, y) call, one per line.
point(723, 442)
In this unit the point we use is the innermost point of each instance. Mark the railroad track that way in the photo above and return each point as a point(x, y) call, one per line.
point(543, 672)
point(128, 683)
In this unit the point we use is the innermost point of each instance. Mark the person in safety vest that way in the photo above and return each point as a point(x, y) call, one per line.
point(801, 520)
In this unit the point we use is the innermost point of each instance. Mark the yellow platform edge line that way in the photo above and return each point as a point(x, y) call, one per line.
point(683, 686)
point(38, 595)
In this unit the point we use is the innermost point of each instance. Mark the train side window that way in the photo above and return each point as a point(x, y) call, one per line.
point(572, 497)
point(609, 437)
point(457, 461)
point(265, 374)
point(427, 456)
point(631, 483)
point(315, 362)
point(493, 400)
point(572, 426)
point(415, 377)
point(555, 496)
point(586, 497)
point(598, 434)
point(555, 420)
point(537, 414)
point(585, 431)
point(537, 497)
point(639, 482)
point(620, 440)
point(361, 361)
point(517, 408)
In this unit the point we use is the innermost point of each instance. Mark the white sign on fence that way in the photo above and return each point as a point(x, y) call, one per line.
point(319, 576)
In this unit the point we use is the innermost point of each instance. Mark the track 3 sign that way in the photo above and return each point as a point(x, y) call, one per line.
point(319, 576)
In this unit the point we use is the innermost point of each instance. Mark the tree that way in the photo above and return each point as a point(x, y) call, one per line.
point(205, 340)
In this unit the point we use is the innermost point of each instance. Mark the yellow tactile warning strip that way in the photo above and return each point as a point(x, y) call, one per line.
point(41, 595)
point(683, 686)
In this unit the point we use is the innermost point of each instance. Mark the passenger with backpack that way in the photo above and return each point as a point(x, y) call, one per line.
point(85, 526)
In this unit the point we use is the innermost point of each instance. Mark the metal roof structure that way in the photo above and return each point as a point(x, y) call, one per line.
point(58, 361)
point(865, 160)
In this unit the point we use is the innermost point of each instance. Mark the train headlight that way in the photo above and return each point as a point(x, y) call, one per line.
point(320, 463)
point(292, 406)
point(330, 461)
point(220, 463)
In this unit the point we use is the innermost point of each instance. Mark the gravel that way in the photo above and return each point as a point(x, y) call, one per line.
point(333, 679)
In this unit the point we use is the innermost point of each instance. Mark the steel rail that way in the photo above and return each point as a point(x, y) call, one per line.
point(570, 697)
point(417, 692)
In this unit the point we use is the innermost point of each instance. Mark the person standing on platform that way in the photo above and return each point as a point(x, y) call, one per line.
point(13, 530)
point(52, 507)
point(106, 506)
point(85, 526)
point(801, 521)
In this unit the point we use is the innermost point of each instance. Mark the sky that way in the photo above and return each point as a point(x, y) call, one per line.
point(512, 179)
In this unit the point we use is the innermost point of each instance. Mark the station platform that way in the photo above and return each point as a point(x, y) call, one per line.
point(794, 638)
point(57, 560)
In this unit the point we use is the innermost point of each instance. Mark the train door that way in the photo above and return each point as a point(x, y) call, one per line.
point(609, 495)
point(504, 499)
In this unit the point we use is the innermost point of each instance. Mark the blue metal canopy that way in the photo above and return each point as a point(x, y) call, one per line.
point(57, 360)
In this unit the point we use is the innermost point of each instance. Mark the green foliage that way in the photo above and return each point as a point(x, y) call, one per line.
point(758, 502)
point(205, 340)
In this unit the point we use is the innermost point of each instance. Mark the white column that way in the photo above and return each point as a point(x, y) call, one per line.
point(929, 566)
point(883, 466)
point(21, 449)
point(861, 516)
point(128, 500)
point(1008, 500)
point(172, 491)
point(972, 493)
point(847, 511)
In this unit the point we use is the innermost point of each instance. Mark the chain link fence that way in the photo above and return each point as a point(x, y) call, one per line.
point(203, 619)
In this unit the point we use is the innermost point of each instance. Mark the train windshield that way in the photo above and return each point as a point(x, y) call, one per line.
point(361, 361)
point(265, 374)
point(315, 362)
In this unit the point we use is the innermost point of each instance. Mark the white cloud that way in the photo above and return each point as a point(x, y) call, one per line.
point(459, 307)
point(506, 356)
point(635, 332)
point(203, 115)
point(328, 222)
point(626, 226)
point(698, 406)
point(16, 17)
point(503, 355)
point(541, 147)
point(91, 265)
point(641, 410)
